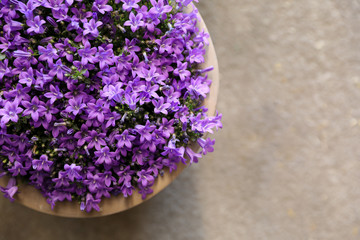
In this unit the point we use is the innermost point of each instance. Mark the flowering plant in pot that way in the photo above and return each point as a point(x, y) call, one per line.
point(100, 99)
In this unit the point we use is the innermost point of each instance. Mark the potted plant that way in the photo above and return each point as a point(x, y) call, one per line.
point(102, 102)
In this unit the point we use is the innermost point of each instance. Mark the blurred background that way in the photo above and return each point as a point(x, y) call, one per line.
point(287, 162)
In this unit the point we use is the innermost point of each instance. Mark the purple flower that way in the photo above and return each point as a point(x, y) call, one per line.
point(76, 91)
point(202, 37)
point(48, 54)
point(42, 163)
point(145, 177)
point(127, 190)
point(131, 100)
point(75, 106)
point(35, 25)
point(198, 87)
point(108, 178)
point(207, 145)
point(196, 55)
point(105, 57)
point(10, 112)
point(52, 21)
point(58, 195)
point(135, 22)
point(42, 78)
point(87, 54)
point(91, 203)
point(96, 110)
point(58, 70)
point(144, 191)
point(124, 139)
point(104, 156)
point(10, 190)
point(57, 129)
point(54, 4)
point(27, 77)
point(95, 139)
point(11, 26)
point(94, 182)
point(62, 180)
point(160, 106)
point(172, 151)
point(129, 4)
point(4, 69)
point(65, 49)
point(54, 94)
point(18, 168)
point(166, 127)
point(159, 7)
point(125, 176)
point(69, 2)
point(18, 93)
point(5, 44)
point(91, 28)
point(28, 9)
point(205, 125)
point(148, 92)
point(145, 131)
point(21, 141)
point(112, 117)
point(100, 6)
point(132, 48)
point(34, 108)
point(61, 14)
point(81, 135)
point(139, 156)
point(151, 75)
point(182, 71)
point(192, 155)
point(73, 171)
point(50, 110)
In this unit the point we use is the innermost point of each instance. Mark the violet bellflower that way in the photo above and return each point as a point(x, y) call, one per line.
point(104, 156)
point(35, 25)
point(73, 171)
point(91, 28)
point(54, 93)
point(59, 70)
point(27, 77)
point(135, 22)
point(105, 57)
point(159, 8)
point(76, 106)
point(34, 108)
point(10, 112)
point(182, 71)
point(91, 203)
point(124, 139)
point(100, 6)
point(161, 106)
point(4, 69)
point(87, 53)
point(128, 5)
point(42, 164)
point(10, 190)
point(95, 139)
point(48, 54)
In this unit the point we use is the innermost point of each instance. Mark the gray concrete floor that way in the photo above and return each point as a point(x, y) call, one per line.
point(286, 164)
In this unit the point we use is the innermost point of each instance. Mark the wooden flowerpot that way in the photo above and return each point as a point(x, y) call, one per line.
point(32, 198)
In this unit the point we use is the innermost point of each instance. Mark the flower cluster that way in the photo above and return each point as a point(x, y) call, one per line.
point(98, 97)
